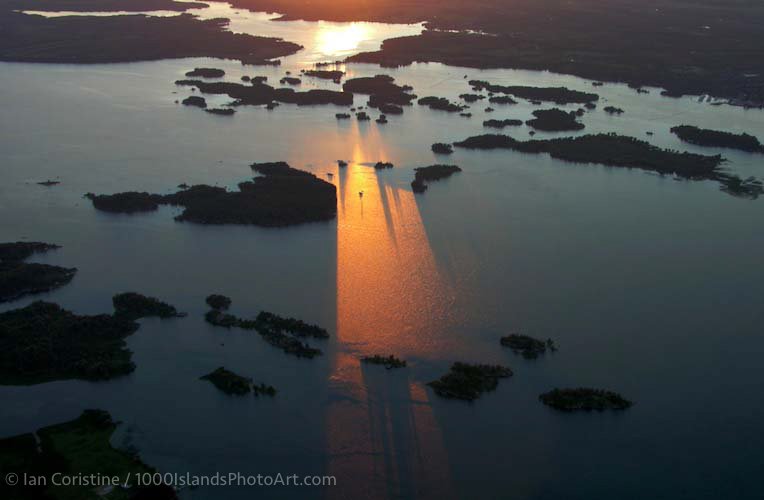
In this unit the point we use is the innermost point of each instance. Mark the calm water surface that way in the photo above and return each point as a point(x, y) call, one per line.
point(650, 286)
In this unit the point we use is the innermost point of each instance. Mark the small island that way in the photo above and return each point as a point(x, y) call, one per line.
point(236, 385)
point(218, 302)
point(501, 99)
point(381, 89)
point(441, 148)
point(388, 362)
point(278, 331)
point(206, 73)
point(502, 123)
point(440, 103)
point(281, 196)
point(19, 278)
point(382, 165)
point(362, 116)
point(612, 110)
point(718, 139)
point(290, 80)
point(297, 327)
point(221, 111)
point(342, 116)
point(229, 382)
point(132, 306)
point(584, 399)
point(468, 382)
point(471, 97)
point(423, 175)
point(258, 93)
point(555, 120)
point(195, 100)
point(529, 347)
point(334, 75)
point(557, 95)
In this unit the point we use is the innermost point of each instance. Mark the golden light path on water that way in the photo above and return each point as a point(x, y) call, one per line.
point(391, 299)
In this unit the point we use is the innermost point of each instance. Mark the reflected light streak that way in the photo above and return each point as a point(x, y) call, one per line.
point(390, 300)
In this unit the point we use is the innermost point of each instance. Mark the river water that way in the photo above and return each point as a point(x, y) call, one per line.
point(650, 286)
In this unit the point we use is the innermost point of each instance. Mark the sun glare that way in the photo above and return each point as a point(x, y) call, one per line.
point(333, 40)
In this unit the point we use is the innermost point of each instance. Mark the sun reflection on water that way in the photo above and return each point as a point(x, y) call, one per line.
point(334, 40)
point(391, 299)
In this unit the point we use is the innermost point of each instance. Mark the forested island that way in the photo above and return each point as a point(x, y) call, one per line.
point(555, 120)
point(508, 122)
point(718, 138)
point(43, 342)
point(325, 74)
point(423, 175)
point(258, 93)
point(132, 306)
point(19, 278)
point(382, 90)
point(441, 104)
point(584, 399)
point(282, 196)
point(557, 95)
point(388, 362)
point(468, 382)
point(128, 38)
point(236, 385)
point(441, 148)
point(528, 347)
point(620, 151)
point(280, 332)
point(206, 73)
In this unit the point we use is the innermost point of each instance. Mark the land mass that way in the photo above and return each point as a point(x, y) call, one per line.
point(509, 122)
point(77, 448)
point(132, 306)
point(529, 347)
point(468, 382)
point(218, 302)
point(621, 151)
point(43, 342)
point(557, 95)
point(432, 173)
point(684, 48)
point(229, 382)
point(110, 39)
point(382, 90)
point(584, 399)
point(555, 120)
point(258, 93)
point(282, 196)
point(278, 331)
point(19, 278)
point(102, 5)
point(388, 362)
point(718, 139)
